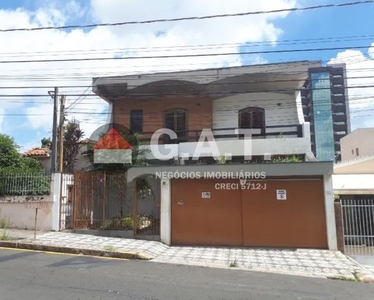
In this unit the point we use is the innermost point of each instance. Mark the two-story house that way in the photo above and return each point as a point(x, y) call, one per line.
point(292, 206)
point(264, 98)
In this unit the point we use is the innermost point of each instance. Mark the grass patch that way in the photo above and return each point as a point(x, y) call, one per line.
point(4, 223)
point(5, 236)
point(109, 248)
point(234, 264)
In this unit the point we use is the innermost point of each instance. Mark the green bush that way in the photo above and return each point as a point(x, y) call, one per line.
point(128, 223)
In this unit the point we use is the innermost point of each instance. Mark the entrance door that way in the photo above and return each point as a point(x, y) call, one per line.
point(285, 213)
point(204, 215)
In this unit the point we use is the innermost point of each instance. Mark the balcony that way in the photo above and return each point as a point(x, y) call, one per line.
point(230, 142)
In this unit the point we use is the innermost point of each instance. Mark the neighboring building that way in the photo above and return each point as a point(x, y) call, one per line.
point(358, 143)
point(262, 97)
point(43, 155)
point(293, 207)
point(326, 107)
point(359, 165)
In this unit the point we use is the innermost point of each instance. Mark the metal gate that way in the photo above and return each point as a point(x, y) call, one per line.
point(100, 200)
point(66, 201)
point(358, 225)
point(147, 208)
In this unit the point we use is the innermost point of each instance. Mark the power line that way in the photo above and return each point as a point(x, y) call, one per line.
point(176, 84)
point(48, 77)
point(193, 47)
point(346, 4)
point(183, 55)
point(166, 93)
point(148, 114)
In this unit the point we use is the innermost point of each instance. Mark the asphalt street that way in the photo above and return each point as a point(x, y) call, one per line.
point(40, 276)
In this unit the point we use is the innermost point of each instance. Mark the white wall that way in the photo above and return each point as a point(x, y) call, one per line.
point(21, 214)
point(299, 107)
point(330, 213)
point(353, 184)
point(165, 222)
point(225, 110)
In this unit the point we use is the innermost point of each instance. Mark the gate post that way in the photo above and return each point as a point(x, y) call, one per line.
point(339, 225)
point(56, 207)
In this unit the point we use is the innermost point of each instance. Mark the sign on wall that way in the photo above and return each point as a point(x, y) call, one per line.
point(205, 195)
point(281, 195)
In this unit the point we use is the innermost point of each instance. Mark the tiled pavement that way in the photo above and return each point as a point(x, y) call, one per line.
point(92, 242)
point(302, 262)
point(311, 262)
point(369, 268)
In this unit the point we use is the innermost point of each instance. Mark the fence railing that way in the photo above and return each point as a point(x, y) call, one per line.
point(25, 185)
point(358, 226)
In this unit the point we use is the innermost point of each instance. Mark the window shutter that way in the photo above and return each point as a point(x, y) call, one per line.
point(245, 119)
point(181, 121)
point(257, 119)
point(169, 120)
point(252, 118)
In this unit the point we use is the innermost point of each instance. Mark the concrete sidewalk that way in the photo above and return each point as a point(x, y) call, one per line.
point(319, 263)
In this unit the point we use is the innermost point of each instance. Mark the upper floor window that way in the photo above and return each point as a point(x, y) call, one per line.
point(176, 120)
point(136, 121)
point(340, 132)
point(252, 118)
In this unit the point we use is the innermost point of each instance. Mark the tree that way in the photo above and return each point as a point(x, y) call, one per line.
point(11, 161)
point(9, 156)
point(73, 136)
point(46, 142)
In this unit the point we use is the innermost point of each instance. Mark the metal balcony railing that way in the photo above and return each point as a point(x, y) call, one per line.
point(228, 133)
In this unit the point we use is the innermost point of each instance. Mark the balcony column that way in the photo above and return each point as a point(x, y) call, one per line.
point(306, 129)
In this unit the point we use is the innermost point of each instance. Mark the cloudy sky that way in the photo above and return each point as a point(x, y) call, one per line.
point(26, 107)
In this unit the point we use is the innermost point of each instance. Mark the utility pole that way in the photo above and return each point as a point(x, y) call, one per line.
point(61, 135)
point(54, 130)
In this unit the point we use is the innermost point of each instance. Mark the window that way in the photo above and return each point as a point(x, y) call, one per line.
point(136, 121)
point(357, 153)
point(176, 120)
point(252, 118)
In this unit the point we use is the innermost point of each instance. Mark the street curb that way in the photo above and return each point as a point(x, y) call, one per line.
point(365, 277)
point(78, 251)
